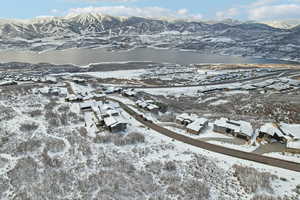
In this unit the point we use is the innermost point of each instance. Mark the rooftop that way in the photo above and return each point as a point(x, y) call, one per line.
point(238, 126)
point(197, 124)
point(288, 130)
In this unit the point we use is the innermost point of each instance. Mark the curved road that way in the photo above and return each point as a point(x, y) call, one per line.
point(212, 147)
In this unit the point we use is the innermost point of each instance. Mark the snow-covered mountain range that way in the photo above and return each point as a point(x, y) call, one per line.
point(98, 23)
point(283, 24)
point(97, 30)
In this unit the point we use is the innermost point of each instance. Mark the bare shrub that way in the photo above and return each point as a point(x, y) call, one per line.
point(120, 180)
point(74, 118)
point(85, 148)
point(28, 127)
point(297, 189)
point(35, 113)
point(168, 179)
point(28, 146)
point(50, 162)
point(170, 166)
point(21, 195)
point(168, 117)
point(253, 180)
point(4, 186)
point(36, 105)
point(64, 120)
point(6, 113)
point(50, 115)
point(52, 118)
point(175, 190)
point(24, 173)
point(83, 132)
point(55, 145)
point(131, 138)
point(64, 109)
point(135, 138)
point(154, 167)
point(3, 140)
point(56, 183)
point(203, 168)
point(158, 196)
point(55, 119)
point(119, 141)
point(126, 166)
point(104, 139)
point(195, 190)
point(51, 105)
point(264, 197)
point(53, 123)
point(73, 115)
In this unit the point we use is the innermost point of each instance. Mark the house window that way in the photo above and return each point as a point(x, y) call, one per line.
point(228, 130)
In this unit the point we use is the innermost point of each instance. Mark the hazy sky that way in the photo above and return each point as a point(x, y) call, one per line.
point(192, 9)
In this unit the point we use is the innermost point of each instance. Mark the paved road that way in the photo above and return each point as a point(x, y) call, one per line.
point(212, 147)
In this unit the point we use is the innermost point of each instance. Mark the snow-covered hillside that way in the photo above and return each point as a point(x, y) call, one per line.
point(96, 30)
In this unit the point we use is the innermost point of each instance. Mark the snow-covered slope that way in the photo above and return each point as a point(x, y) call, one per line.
point(284, 24)
point(98, 23)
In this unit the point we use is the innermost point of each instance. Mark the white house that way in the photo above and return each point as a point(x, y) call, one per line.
point(147, 105)
point(197, 126)
point(88, 105)
point(241, 129)
point(114, 124)
point(186, 119)
point(281, 132)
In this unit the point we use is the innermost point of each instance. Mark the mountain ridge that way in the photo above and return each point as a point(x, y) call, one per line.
point(98, 23)
point(89, 17)
point(122, 33)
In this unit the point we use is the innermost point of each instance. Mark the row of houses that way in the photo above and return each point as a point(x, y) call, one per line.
point(8, 83)
point(280, 85)
point(14, 81)
point(29, 78)
point(82, 97)
point(111, 90)
point(128, 93)
point(107, 115)
point(55, 91)
point(288, 134)
point(241, 74)
point(78, 80)
point(195, 125)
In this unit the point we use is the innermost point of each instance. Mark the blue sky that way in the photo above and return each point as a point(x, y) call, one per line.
point(192, 9)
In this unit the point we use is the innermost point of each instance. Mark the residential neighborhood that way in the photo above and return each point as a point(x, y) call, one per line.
point(228, 119)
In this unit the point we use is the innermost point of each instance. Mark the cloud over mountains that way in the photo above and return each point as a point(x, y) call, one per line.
point(147, 12)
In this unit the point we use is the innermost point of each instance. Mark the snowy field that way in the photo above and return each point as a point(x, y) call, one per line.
point(119, 74)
